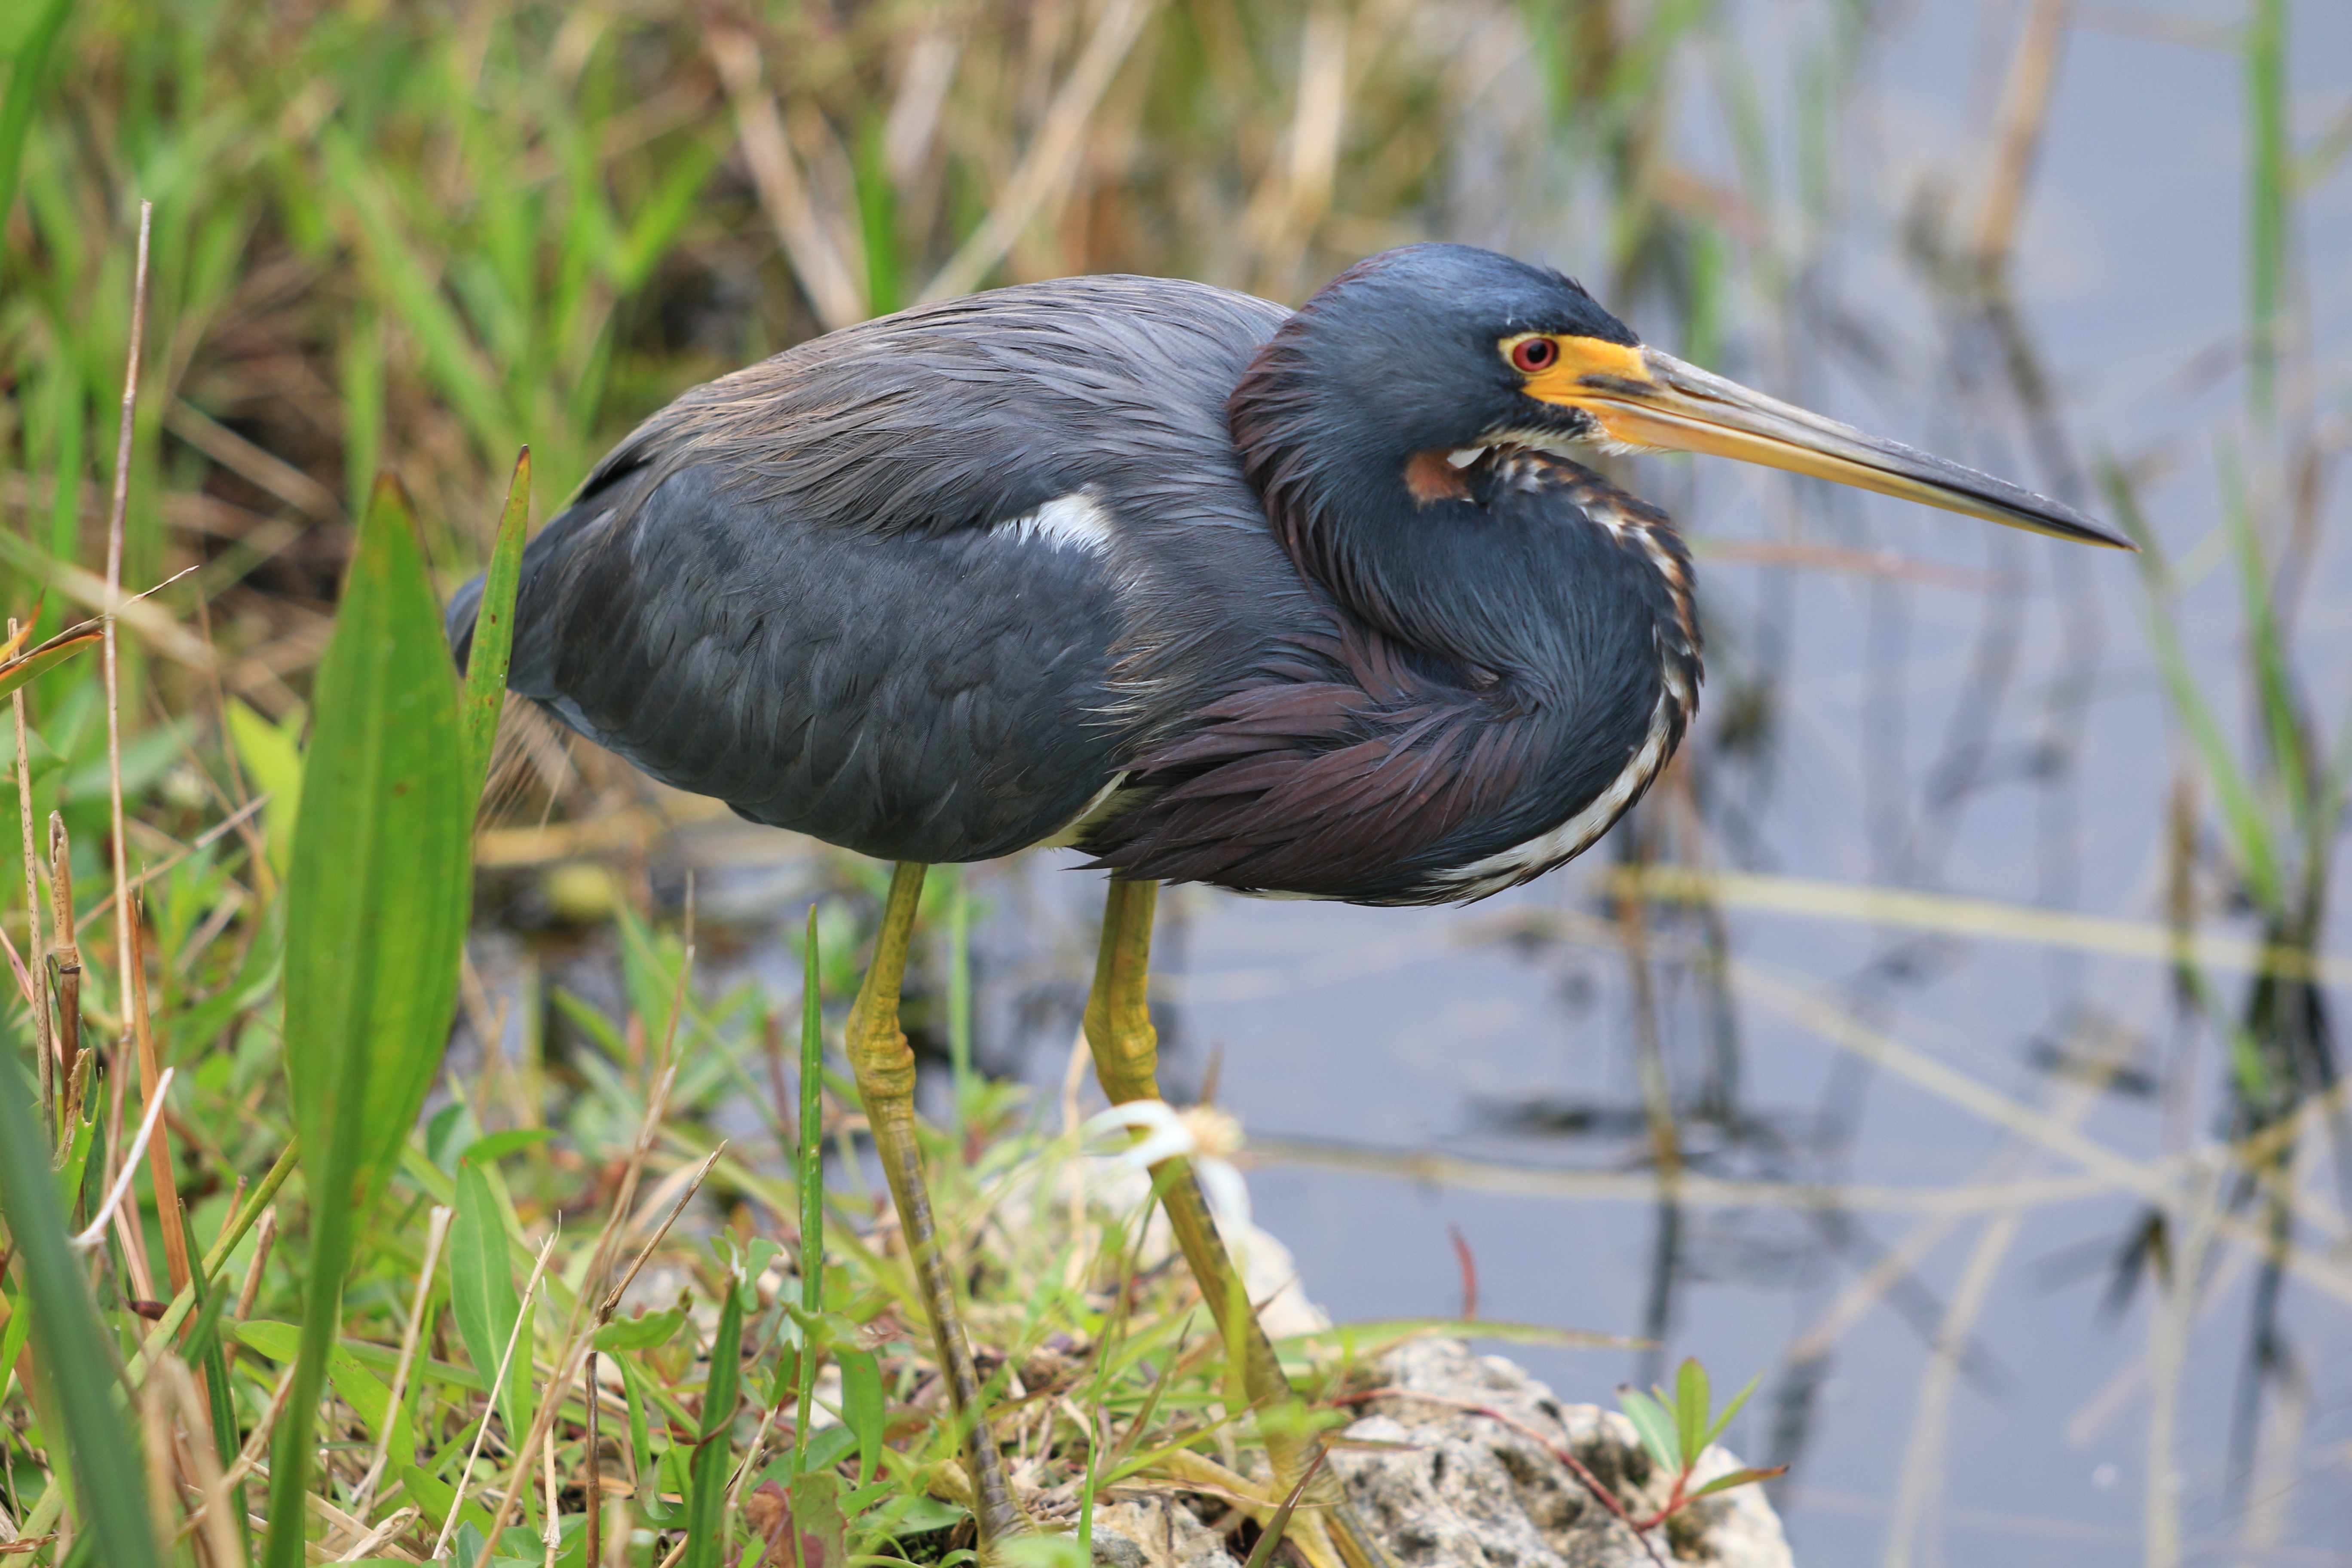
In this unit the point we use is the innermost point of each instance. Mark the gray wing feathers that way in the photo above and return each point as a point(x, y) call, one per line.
point(786, 589)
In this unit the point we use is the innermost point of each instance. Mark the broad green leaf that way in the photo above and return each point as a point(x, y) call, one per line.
point(382, 879)
point(376, 896)
point(272, 759)
point(486, 663)
point(861, 1408)
point(913, 1513)
point(714, 1458)
point(1656, 1427)
point(491, 1147)
point(1691, 1401)
point(1740, 1479)
point(1044, 1550)
point(71, 1350)
point(641, 1333)
point(482, 1294)
point(816, 1509)
point(828, 1446)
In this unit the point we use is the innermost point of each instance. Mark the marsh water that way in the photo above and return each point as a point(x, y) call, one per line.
point(1916, 1158)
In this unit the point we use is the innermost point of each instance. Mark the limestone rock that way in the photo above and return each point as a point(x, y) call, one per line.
point(1475, 1493)
point(1157, 1531)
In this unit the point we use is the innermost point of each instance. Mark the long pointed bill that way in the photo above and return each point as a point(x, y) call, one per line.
point(1652, 400)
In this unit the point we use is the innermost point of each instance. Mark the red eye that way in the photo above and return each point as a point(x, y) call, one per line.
point(1533, 354)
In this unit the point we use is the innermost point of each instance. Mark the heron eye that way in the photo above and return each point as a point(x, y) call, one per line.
point(1533, 354)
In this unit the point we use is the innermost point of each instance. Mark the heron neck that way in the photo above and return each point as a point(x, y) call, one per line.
point(1521, 582)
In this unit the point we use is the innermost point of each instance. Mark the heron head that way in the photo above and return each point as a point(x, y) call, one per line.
point(1433, 349)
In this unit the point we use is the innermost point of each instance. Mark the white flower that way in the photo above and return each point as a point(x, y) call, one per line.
point(1202, 1134)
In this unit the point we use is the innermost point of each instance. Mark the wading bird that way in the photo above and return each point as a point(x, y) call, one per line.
point(1310, 603)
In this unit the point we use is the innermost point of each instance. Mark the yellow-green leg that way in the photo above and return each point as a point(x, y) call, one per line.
point(1126, 1061)
point(884, 1066)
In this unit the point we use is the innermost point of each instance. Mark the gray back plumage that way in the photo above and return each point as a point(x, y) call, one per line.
point(792, 588)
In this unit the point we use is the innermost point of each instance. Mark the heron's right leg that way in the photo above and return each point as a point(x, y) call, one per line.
point(884, 1066)
point(1127, 1060)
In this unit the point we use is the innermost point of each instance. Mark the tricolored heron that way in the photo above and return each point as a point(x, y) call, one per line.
point(1310, 603)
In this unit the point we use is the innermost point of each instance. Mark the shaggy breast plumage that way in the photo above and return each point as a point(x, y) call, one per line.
point(1374, 769)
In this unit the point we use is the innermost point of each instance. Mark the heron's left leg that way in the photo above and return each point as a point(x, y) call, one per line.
point(884, 1066)
point(1127, 1062)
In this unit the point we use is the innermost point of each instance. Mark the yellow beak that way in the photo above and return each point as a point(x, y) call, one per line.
point(1646, 399)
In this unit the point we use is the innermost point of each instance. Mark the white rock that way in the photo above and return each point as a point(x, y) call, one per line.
point(1475, 1493)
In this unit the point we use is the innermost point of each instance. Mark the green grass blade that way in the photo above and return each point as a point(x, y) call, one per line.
point(1276, 1528)
point(486, 666)
point(72, 1344)
point(706, 1521)
point(812, 1168)
point(271, 756)
point(1740, 1479)
point(2242, 812)
point(862, 1408)
point(413, 288)
point(24, 86)
point(2268, 186)
point(205, 1349)
point(1724, 1420)
point(376, 901)
point(2281, 716)
point(482, 1294)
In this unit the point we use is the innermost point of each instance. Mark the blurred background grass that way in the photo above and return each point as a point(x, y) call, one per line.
point(414, 237)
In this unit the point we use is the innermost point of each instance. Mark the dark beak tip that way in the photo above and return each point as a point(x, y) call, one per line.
point(2099, 533)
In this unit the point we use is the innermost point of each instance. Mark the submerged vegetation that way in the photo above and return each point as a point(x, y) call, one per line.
point(407, 241)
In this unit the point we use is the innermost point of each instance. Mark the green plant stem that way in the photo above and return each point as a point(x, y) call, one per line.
point(812, 1184)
